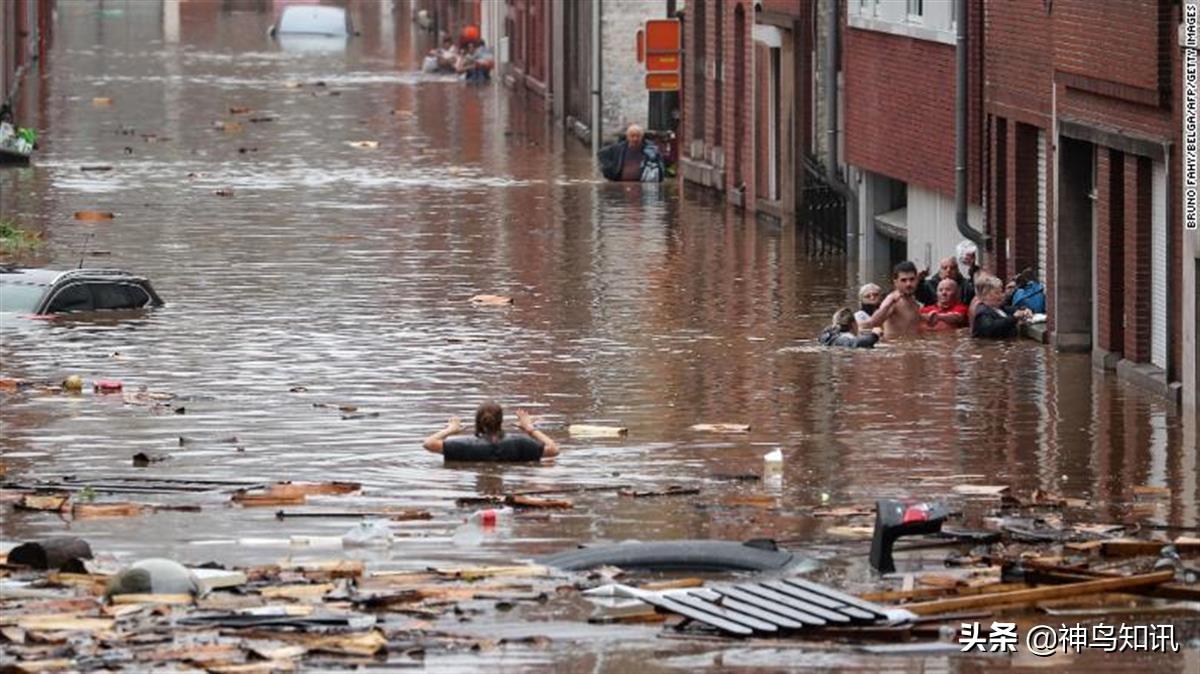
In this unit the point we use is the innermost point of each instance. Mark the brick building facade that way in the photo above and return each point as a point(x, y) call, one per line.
point(899, 84)
point(718, 101)
point(25, 29)
point(1083, 93)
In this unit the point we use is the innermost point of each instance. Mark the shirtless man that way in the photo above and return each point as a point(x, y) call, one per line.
point(899, 313)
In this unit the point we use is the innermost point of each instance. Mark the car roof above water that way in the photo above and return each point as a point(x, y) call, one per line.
point(48, 277)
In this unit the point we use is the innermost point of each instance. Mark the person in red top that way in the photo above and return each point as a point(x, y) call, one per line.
point(949, 313)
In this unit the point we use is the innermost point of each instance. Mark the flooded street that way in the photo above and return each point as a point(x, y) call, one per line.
point(340, 275)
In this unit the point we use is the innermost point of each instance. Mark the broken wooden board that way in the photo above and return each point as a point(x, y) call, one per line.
point(46, 502)
point(534, 502)
point(491, 300)
point(169, 599)
point(260, 667)
point(1025, 597)
point(38, 666)
point(338, 568)
point(364, 643)
point(673, 490)
point(594, 431)
point(394, 514)
point(1148, 491)
point(720, 428)
point(97, 510)
point(65, 622)
point(477, 572)
point(267, 500)
point(314, 591)
point(1139, 548)
point(980, 489)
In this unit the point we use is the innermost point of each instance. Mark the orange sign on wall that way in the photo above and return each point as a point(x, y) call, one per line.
point(662, 81)
point(662, 45)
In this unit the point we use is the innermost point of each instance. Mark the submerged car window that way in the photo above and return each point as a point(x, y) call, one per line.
point(314, 19)
point(20, 297)
point(72, 298)
point(118, 296)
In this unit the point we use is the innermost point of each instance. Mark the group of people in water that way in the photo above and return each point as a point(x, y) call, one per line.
point(961, 295)
point(470, 57)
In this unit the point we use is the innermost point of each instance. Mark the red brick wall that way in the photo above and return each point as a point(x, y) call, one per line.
point(1114, 40)
point(899, 107)
point(1137, 258)
point(1110, 242)
point(721, 113)
point(1019, 66)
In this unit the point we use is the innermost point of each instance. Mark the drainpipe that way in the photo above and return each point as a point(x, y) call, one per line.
point(832, 174)
point(831, 89)
point(596, 125)
point(960, 129)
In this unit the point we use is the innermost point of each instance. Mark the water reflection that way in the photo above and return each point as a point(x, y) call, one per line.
point(347, 270)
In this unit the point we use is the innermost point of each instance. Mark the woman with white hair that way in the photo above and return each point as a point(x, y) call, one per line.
point(869, 297)
point(991, 320)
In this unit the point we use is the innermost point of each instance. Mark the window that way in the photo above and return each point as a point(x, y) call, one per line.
point(118, 296)
point(71, 298)
point(919, 19)
point(20, 297)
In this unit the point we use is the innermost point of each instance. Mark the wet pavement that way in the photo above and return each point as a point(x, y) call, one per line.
point(346, 271)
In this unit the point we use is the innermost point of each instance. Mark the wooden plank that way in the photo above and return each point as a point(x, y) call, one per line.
point(1041, 593)
point(1138, 548)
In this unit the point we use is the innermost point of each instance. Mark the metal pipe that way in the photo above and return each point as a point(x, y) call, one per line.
point(831, 88)
point(596, 125)
point(960, 128)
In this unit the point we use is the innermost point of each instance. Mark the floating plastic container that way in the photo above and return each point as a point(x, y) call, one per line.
point(106, 386)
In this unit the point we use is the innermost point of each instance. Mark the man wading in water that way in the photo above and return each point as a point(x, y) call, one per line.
point(899, 313)
point(490, 443)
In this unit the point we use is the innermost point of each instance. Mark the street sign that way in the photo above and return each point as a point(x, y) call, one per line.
point(662, 81)
point(663, 42)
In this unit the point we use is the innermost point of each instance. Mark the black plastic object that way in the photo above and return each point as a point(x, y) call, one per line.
point(894, 519)
point(51, 553)
point(685, 555)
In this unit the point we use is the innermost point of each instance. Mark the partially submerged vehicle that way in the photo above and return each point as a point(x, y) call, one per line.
point(54, 291)
point(307, 27)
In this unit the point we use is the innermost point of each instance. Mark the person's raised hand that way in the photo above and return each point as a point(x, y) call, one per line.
point(524, 421)
point(454, 425)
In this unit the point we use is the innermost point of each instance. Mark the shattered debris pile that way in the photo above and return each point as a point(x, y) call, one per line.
point(259, 619)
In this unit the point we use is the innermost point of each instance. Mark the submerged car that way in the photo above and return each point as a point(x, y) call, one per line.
point(53, 291)
point(312, 20)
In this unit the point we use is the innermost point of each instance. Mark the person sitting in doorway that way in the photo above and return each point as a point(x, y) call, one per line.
point(844, 332)
point(869, 297)
point(947, 312)
point(490, 442)
point(1025, 292)
point(993, 320)
point(634, 159)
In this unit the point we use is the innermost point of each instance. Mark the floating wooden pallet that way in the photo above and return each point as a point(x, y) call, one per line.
point(766, 607)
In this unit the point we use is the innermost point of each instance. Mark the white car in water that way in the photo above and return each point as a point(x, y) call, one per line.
point(312, 20)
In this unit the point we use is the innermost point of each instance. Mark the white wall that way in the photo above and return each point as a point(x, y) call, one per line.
point(623, 98)
point(932, 233)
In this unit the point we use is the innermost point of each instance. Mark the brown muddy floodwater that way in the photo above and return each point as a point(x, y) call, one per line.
point(347, 271)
